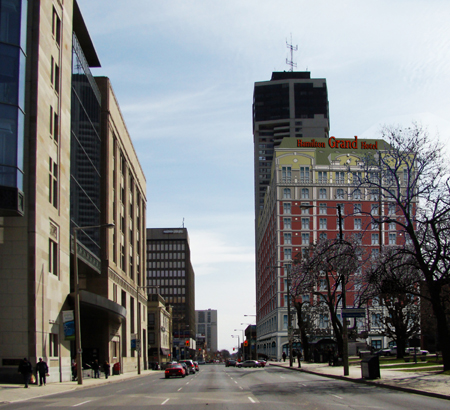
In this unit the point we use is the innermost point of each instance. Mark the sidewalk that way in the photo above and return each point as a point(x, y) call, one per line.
point(10, 393)
point(428, 383)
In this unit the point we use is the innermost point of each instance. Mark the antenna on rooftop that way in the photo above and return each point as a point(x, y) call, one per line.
point(183, 223)
point(292, 48)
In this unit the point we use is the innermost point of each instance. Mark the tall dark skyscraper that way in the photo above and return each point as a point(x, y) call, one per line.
point(291, 104)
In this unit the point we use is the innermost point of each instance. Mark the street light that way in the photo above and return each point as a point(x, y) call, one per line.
point(344, 303)
point(76, 287)
point(243, 338)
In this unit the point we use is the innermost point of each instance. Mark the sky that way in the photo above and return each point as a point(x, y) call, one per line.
point(183, 72)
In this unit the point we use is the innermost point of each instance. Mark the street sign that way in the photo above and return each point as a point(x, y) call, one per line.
point(353, 312)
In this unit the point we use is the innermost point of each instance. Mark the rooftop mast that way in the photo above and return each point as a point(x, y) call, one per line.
point(291, 61)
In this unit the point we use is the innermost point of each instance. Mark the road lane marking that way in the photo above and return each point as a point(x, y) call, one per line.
point(338, 397)
point(80, 404)
point(164, 402)
point(241, 387)
point(253, 401)
point(282, 377)
point(180, 389)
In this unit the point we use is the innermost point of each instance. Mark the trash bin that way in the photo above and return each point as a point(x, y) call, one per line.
point(370, 367)
point(116, 368)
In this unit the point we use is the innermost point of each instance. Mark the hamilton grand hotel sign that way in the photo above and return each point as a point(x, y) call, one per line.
point(338, 143)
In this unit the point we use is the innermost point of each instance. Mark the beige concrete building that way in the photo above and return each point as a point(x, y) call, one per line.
point(74, 166)
point(160, 340)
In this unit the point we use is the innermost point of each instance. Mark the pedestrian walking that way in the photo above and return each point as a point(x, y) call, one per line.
point(284, 356)
point(27, 370)
point(42, 370)
point(96, 369)
point(299, 356)
point(106, 369)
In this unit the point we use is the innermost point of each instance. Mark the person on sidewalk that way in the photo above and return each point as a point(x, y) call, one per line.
point(299, 356)
point(284, 356)
point(96, 369)
point(106, 369)
point(42, 370)
point(26, 369)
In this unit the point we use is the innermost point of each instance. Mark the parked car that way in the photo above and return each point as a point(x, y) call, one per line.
point(230, 362)
point(190, 365)
point(251, 363)
point(184, 367)
point(196, 366)
point(262, 363)
point(174, 370)
point(390, 351)
point(416, 350)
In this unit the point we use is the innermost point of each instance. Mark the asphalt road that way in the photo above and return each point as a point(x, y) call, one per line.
point(220, 387)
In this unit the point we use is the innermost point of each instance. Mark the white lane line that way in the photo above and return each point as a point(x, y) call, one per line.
point(253, 401)
point(235, 382)
point(80, 404)
point(180, 389)
point(338, 397)
point(282, 377)
point(164, 402)
point(241, 387)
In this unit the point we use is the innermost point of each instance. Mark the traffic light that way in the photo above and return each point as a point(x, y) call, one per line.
point(246, 343)
point(187, 343)
point(234, 349)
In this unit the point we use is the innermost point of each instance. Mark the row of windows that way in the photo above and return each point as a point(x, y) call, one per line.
point(166, 255)
point(373, 194)
point(166, 264)
point(323, 224)
point(356, 208)
point(166, 274)
point(166, 282)
point(166, 246)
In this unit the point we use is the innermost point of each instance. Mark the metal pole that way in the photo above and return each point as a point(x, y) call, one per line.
point(288, 270)
point(77, 310)
point(344, 305)
point(138, 341)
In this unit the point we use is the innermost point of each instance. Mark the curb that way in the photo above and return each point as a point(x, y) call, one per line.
point(368, 382)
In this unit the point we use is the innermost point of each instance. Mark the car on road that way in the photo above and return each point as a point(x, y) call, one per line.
point(174, 369)
point(196, 366)
point(230, 362)
point(251, 363)
point(262, 363)
point(390, 351)
point(416, 350)
point(190, 365)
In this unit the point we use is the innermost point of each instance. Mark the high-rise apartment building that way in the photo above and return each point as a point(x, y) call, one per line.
point(290, 105)
point(206, 327)
point(170, 273)
point(67, 169)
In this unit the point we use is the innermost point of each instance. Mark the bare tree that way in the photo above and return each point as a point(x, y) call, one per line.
point(394, 282)
point(411, 176)
point(324, 272)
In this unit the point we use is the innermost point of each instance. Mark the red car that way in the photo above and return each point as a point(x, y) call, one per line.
point(174, 370)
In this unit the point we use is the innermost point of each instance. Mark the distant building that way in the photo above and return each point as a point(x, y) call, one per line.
point(206, 326)
point(170, 273)
point(66, 161)
point(159, 324)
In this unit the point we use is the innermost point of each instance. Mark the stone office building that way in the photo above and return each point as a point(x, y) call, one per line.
point(66, 161)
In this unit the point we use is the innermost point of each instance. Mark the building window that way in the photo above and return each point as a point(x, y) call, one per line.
point(323, 223)
point(357, 194)
point(374, 195)
point(53, 257)
point(287, 223)
point(392, 226)
point(374, 225)
point(392, 239)
point(323, 321)
point(285, 321)
point(286, 174)
point(357, 224)
point(305, 238)
point(323, 235)
point(339, 194)
point(322, 193)
point(375, 239)
point(286, 208)
point(376, 319)
point(305, 193)
point(357, 208)
point(288, 254)
point(358, 238)
point(392, 208)
point(53, 183)
point(374, 209)
point(56, 27)
point(305, 223)
point(287, 193)
point(340, 177)
point(304, 174)
point(53, 345)
point(305, 210)
point(322, 177)
point(322, 209)
point(342, 207)
point(287, 239)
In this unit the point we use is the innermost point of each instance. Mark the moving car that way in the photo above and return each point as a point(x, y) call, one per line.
point(230, 362)
point(416, 350)
point(251, 363)
point(196, 366)
point(174, 369)
point(190, 365)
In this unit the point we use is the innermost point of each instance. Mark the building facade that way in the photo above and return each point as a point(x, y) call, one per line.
point(61, 176)
point(311, 180)
point(160, 339)
point(170, 273)
point(206, 327)
point(290, 105)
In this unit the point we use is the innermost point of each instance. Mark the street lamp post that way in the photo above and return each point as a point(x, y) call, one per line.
point(76, 288)
point(239, 344)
